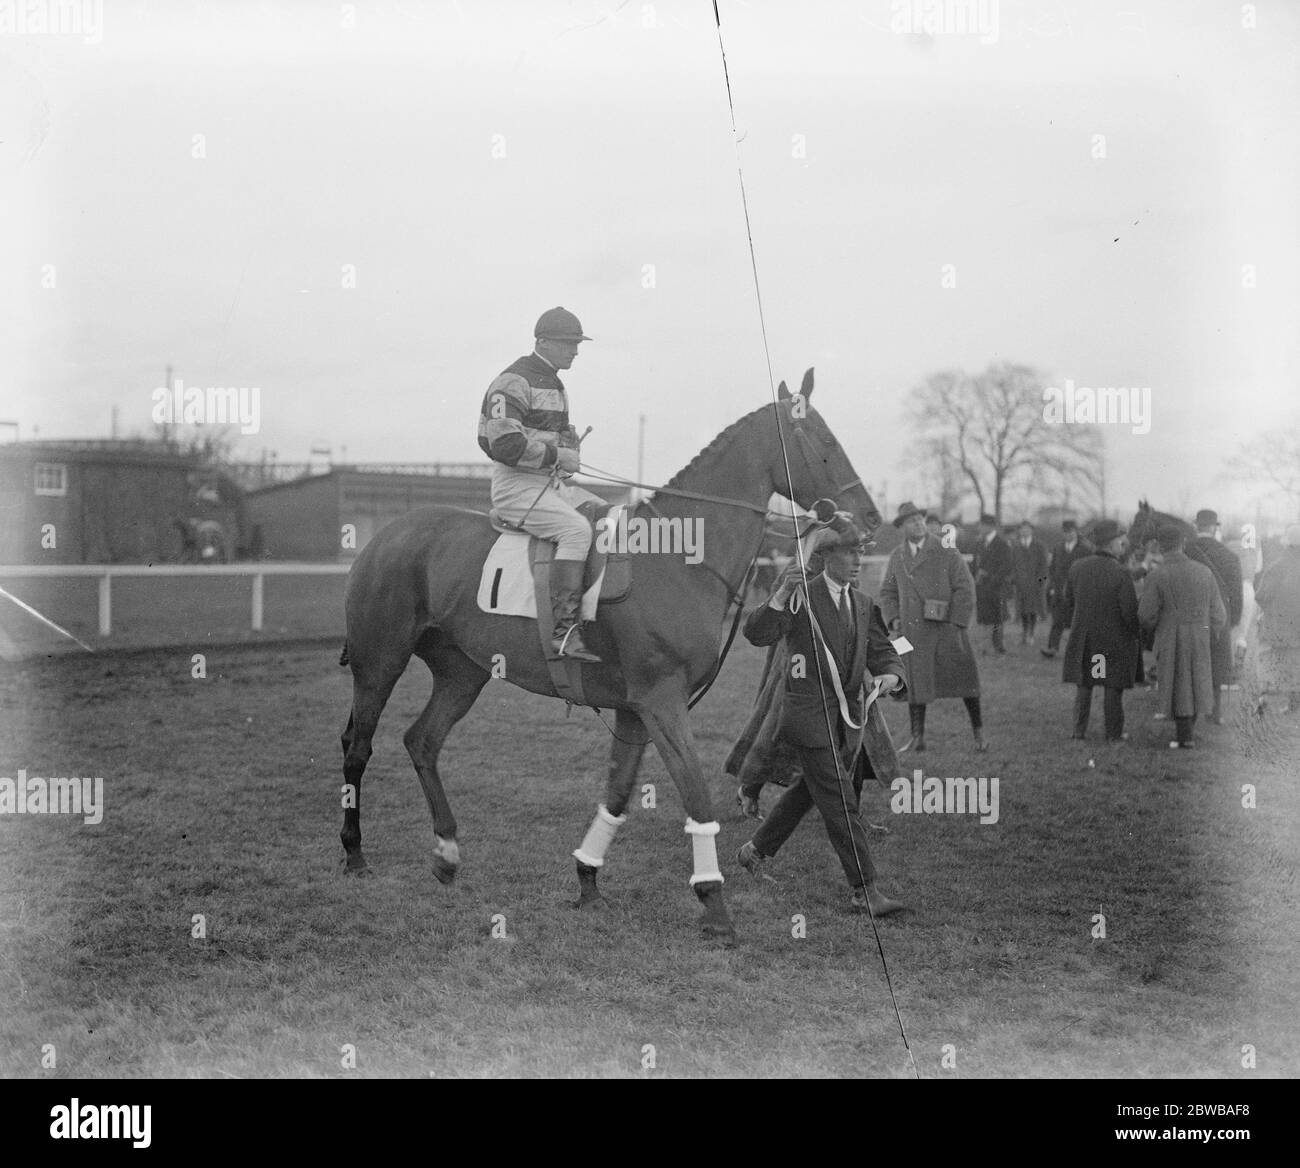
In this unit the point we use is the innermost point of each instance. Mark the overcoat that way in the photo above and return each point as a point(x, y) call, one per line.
point(1101, 607)
point(1278, 597)
point(791, 710)
point(1181, 602)
point(1227, 574)
point(1029, 568)
point(942, 662)
point(992, 568)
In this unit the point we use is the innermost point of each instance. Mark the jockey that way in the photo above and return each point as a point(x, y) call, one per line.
point(524, 428)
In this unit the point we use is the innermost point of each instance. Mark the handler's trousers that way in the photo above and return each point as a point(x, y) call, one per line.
point(1113, 708)
point(821, 786)
point(546, 507)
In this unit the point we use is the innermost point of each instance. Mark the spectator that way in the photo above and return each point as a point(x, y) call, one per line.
point(1181, 602)
point(992, 568)
point(1071, 548)
point(928, 597)
point(1104, 647)
point(1227, 573)
point(1029, 573)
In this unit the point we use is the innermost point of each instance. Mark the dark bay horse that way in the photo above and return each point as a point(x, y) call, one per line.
point(1148, 521)
point(413, 591)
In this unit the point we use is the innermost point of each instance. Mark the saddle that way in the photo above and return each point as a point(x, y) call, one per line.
point(516, 582)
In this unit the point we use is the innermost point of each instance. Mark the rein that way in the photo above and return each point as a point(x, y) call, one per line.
point(735, 595)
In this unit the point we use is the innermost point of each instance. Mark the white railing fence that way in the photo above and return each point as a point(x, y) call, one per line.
point(105, 573)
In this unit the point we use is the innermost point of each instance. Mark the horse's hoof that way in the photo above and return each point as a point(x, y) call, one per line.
point(356, 866)
point(445, 872)
point(596, 903)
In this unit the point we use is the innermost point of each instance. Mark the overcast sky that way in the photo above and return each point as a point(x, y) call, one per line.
point(477, 163)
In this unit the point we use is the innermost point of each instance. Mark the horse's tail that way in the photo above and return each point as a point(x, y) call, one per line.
point(343, 657)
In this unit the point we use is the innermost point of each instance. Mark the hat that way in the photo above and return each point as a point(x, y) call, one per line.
point(1206, 518)
point(1171, 537)
point(1105, 531)
point(841, 532)
point(1069, 525)
point(988, 519)
point(559, 324)
point(906, 511)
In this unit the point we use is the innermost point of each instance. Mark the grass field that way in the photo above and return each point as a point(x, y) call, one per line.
point(222, 799)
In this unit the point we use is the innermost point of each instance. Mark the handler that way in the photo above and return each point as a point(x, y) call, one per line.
point(524, 428)
point(822, 714)
point(929, 597)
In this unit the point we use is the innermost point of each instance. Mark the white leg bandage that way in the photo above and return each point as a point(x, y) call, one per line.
point(706, 851)
point(597, 839)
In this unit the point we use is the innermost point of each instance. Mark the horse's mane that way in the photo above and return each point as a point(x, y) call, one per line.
point(721, 440)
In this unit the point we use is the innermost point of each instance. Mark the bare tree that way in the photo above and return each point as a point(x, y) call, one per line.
point(1273, 461)
point(993, 430)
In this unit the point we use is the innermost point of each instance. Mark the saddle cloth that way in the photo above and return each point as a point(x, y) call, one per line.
point(506, 586)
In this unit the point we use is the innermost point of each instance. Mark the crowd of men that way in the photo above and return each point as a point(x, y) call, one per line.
point(1109, 604)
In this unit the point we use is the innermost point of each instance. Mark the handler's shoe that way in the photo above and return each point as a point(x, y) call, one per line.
point(748, 804)
point(750, 858)
point(872, 898)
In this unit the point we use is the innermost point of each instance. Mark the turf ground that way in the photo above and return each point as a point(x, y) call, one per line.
point(222, 801)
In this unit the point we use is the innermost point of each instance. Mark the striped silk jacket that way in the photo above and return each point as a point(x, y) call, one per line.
point(525, 416)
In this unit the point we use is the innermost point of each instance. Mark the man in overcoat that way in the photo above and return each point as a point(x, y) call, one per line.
point(1105, 640)
point(1029, 573)
point(1072, 548)
point(992, 567)
point(1227, 571)
point(838, 646)
point(942, 662)
point(1181, 602)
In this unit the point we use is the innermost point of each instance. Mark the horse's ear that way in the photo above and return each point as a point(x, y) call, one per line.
point(782, 391)
point(807, 387)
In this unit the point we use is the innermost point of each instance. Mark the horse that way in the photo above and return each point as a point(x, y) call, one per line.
point(412, 592)
point(1147, 522)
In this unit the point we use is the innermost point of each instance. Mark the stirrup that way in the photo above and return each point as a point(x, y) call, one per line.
point(581, 654)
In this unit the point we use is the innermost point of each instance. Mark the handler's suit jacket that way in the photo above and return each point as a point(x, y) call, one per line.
point(804, 709)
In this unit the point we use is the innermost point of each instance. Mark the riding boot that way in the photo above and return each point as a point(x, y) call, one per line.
point(566, 606)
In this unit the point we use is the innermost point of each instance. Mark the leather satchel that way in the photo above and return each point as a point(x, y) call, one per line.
point(935, 610)
point(932, 609)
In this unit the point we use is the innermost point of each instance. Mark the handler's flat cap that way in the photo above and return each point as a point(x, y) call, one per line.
point(906, 511)
point(1207, 518)
point(559, 324)
point(1105, 531)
